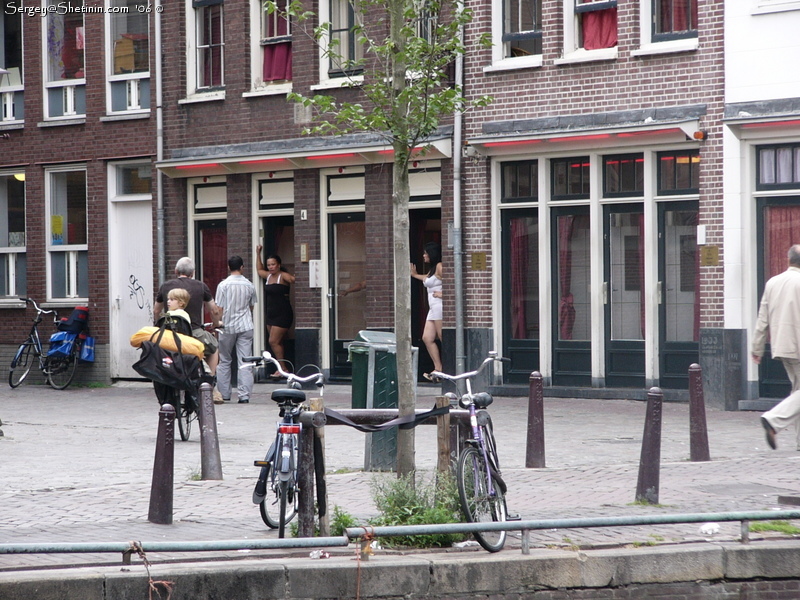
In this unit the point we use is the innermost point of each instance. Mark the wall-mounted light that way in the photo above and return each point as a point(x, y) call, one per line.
point(700, 135)
point(19, 176)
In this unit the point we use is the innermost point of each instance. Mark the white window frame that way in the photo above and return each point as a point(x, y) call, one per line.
point(69, 87)
point(114, 192)
point(193, 92)
point(11, 83)
point(648, 47)
point(71, 251)
point(572, 53)
point(258, 87)
point(9, 253)
point(325, 80)
point(132, 81)
point(501, 62)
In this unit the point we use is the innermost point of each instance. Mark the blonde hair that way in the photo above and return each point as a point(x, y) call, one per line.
point(180, 295)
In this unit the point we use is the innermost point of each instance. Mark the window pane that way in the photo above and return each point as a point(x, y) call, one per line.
point(12, 212)
point(675, 16)
point(65, 41)
point(130, 38)
point(83, 274)
point(570, 178)
point(767, 165)
point(624, 175)
point(626, 247)
point(522, 27)
point(574, 317)
point(679, 172)
point(209, 46)
point(134, 179)
point(524, 274)
point(58, 274)
point(520, 181)
point(682, 276)
point(68, 208)
point(346, 51)
point(11, 50)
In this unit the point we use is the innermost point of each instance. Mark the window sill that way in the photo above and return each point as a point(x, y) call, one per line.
point(203, 97)
point(764, 8)
point(584, 56)
point(9, 125)
point(510, 64)
point(65, 303)
point(129, 116)
point(269, 90)
point(11, 303)
point(687, 45)
point(338, 82)
point(62, 121)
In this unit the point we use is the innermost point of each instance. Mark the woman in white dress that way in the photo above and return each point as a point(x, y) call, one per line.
point(432, 280)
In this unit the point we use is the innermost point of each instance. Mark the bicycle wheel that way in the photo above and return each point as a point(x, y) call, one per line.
point(476, 502)
point(270, 506)
point(283, 493)
point(60, 370)
point(184, 413)
point(21, 364)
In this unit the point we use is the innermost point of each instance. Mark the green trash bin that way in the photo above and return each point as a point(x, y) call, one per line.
point(373, 355)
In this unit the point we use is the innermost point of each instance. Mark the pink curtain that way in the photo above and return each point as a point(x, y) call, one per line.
point(599, 29)
point(519, 273)
point(566, 308)
point(675, 15)
point(277, 62)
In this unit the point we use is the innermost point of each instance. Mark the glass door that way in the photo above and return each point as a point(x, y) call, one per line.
point(623, 237)
point(520, 241)
point(572, 350)
point(347, 268)
point(778, 229)
point(679, 278)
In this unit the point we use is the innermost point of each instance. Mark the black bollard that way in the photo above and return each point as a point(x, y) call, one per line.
point(163, 468)
point(210, 462)
point(650, 463)
point(698, 432)
point(534, 451)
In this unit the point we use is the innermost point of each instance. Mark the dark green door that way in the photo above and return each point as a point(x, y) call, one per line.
point(678, 277)
point(572, 351)
point(623, 294)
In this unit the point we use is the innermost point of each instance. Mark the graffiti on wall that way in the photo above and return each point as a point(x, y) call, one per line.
point(138, 293)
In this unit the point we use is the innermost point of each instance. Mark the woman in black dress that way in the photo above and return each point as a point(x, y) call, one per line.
point(279, 313)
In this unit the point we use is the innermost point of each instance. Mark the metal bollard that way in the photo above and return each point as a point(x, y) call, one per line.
point(534, 450)
point(650, 463)
point(698, 432)
point(163, 468)
point(305, 481)
point(210, 461)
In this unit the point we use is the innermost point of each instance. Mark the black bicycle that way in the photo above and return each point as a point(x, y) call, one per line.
point(58, 365)
point(481, 489)
point(277, 489)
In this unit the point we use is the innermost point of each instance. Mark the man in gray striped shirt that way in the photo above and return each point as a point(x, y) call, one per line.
point(236, 297)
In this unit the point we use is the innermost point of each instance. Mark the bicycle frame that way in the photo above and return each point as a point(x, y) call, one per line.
point(478, 438)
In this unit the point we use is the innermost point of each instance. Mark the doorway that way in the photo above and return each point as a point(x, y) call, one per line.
point(279, 240)
point(623, 242)
point(346, 269)
point(571, 267)
point(425, 225)
point(679, 302)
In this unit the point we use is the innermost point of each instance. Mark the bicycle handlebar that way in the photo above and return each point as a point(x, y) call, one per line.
point(290, 377)
point(493, 356)
point(36, 306)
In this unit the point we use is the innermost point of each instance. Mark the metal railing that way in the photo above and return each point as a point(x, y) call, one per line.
point(356, 533)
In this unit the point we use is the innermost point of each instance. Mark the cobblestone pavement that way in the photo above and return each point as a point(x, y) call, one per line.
point(77, 467)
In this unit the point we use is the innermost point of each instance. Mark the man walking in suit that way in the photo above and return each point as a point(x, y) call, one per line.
point(779, 316)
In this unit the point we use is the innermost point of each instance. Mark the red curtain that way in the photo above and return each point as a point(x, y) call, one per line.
point(519, 275)
point(277, 62)
point(566, 308)
point(675, 15)
point(781, 230)
point(599, 29)
point(214, 266)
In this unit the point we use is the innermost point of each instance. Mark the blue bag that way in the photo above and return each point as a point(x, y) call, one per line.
point(61, 343)
point(87, 350)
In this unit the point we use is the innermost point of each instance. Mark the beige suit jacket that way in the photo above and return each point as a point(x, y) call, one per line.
point(779, 316)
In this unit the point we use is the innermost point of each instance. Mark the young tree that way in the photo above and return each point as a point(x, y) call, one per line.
point(406, 89)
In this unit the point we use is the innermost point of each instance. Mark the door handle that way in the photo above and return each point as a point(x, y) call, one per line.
point(331, 296)
point(605, 292)
point(659, 292)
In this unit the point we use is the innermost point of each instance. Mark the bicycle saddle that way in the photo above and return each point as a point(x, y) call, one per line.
point(481, 400)
point(287, 395)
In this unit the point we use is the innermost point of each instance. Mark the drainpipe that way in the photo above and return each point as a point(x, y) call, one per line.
point(458, 277)
point(159, 152)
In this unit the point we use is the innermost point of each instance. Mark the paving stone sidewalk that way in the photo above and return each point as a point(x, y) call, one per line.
point(77, 467)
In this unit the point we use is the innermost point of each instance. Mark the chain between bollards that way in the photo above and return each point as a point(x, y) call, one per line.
point(650, 463)
point(534, 451)
point(163, 468)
